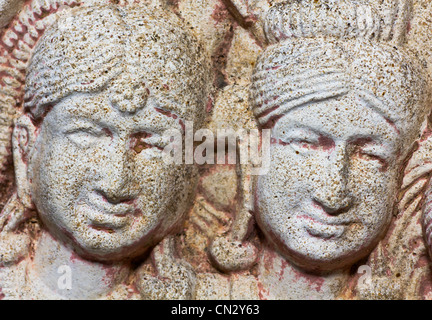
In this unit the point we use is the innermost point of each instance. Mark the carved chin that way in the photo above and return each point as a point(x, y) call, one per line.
point(329, 249)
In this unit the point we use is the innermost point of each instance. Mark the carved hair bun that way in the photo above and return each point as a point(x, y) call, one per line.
point(343, 19)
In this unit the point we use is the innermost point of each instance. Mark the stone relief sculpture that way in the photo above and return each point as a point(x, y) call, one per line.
point(102, 86)
point(343, 86)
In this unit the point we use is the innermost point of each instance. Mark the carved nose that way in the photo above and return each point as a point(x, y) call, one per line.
point(334, 208)
point(332, 193)
point(116, 184)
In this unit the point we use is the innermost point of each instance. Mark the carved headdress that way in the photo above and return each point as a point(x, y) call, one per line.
point(319, 50)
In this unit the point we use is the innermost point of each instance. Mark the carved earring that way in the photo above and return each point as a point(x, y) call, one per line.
point(230, 252)
point(14, 212)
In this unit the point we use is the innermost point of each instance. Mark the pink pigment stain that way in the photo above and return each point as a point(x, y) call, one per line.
point(393, 125)
point(268, 111)
point(313, 281)
point(272, 122)
point(171, 115)
point(220, 13)
point(426, 134)
point(326, 143)
point(283, 267)
point(262, 291)
point(209, 106)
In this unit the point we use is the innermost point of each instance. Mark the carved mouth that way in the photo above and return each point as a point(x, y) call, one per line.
point(321, 228)
point(101, 220)
point(106, 217)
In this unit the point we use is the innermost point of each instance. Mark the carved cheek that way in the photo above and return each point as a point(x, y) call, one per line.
point(373, 191)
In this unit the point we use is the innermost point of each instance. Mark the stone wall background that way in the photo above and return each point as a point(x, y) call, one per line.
point(231, 31)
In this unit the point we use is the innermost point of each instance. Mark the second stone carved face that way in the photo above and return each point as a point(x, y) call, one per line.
point(340, 138)
point(329, 193)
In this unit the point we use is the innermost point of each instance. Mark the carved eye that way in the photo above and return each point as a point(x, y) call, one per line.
point(142, 141)
point(303, 145)
point(84, 137)
point(372, 154)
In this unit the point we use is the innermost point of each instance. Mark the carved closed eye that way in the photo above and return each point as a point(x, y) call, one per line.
point(142, 141)
point(84, 137)
point(303, 145)
point(303, 141)
point(372, 154)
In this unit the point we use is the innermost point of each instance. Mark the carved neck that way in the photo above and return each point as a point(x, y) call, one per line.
point(280, 279)
point(63, 273)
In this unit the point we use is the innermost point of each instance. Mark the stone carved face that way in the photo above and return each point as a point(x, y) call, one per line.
point(98, 177)
point(90, 158)
point(329, 194)
point(340, 138)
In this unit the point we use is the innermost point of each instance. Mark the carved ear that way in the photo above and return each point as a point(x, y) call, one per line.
point(23, 139)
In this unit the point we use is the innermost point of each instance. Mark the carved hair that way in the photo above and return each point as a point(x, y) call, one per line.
point(385, 21)
point(294, 74)
point(341, 45)
point(71, 57)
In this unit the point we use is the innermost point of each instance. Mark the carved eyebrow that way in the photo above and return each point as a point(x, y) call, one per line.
point(300, 131)
point(162, 101)
point(377, 105)
point(78, 121)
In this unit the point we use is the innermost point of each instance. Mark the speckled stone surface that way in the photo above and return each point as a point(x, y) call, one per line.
point(338, 91)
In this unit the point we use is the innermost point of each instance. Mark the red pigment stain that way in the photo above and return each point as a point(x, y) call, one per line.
point(269, 110)
point(209, 106)
point(392, 124)
point(138, 144)
point(283, 267)
point(262, 291)
point(171, 115)
point(220, 13)
point(271, 122)
point(314, 282)
point(269, 260)
point(107, 132)
point(426, 134)
point(326, 143)
point(110, 274)
point(74, 257)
